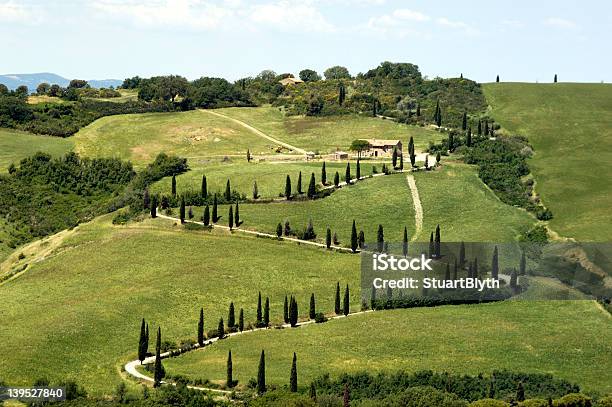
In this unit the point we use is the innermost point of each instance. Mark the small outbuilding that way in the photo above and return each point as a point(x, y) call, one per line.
point(341, 155)
point(383, 148)
point(290, 81)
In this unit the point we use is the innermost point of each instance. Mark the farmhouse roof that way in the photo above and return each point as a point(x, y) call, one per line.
point(290, 81)
point(382, 143)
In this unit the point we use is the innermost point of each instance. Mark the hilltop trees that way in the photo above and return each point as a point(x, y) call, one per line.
point(555, 80)
point(497, 79)
point(201, 328)
point(336, 72)
point(309, 75)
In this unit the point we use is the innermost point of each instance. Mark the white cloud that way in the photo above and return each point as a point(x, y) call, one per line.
point(513, 23)
point(289, 16)
point(560, 23)
point(11, 12)
point(411, 15)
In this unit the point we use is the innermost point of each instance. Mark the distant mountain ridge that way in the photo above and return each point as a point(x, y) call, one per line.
point(32, 80)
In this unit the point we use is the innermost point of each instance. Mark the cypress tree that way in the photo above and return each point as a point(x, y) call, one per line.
point(323, 174)
point(345, 303)
point(228, 192)
point(279, 230)
point(313, 392)
point(555, 80)
point(328, 238)
point(173, 185)
point(401, 158)
point(337, 299)
point(158, 369)
point(464, 122)
point(411, 152)
point(142, 351)
point(380, 239)
point(182, 210)
point(468, 139)
point(427, 162)
point(495, 264)
point(405, 242)
point(479, 128)
point(286, 311)
point(293, 311)
point(146, 199)
point(267, 313)
point(204, 189)
point(438, 157)
point(447, 274)
point(455, 271)
point(354, 242)
point(358, 171)
point(520, 392)
point(261, 374)
point(154, 207)
point(497, 79)
point(394, 157)
point(231, 218)
point(293, 385)
point(312, 189)
point(347, 174)
point(437, 242)
point(336, 179)
point(513, 280)
point(146, 344)
point(206, 216)
point(313, 310)
point(418, 110)
point(432, 246)
point(435, 116)
point(523, 265)
point(221, 329)
point(255, 190)
point(361, 239)
point(259, 314)
point(241, 320)
point(237, 215)
point(190, 213)
point(341, 93)
point(248, 155)
point(462, 255)
point(486, 128)
point(287, 228)
point(231, 318)
point(230, 370)
point(288, 187)
point(201, 328)
point(299, 184)
point(215, 216)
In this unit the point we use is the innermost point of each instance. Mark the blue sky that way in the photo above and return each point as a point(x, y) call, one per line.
point(520, 40)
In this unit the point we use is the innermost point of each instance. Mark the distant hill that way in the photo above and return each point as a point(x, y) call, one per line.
point(32, 80)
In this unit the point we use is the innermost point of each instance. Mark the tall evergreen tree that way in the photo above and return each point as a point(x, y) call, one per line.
point(228, 192)
point(486, 128)
point(394, 157)
point(495, 264)
point(323, 174)
point(437, 242)
point(206, 215)
point(328, 238)
point(146, 345)
point(464, 122)
point(201, 328)
point(312, 189)
point(513, 280)
point(380, 239)
point(261, 374)
point(158, 368)
point(447, 275)
point(182, 210)
point(215, 215)
point(358, 171)
point(354, 242)
point(288, 187)
point(237, 215)
point(146, 199)
point(221, 329)
point(286, 310)
point(520, 392)
point(190, 213)
point(312, 393)
point(313, 310)
point(267, 313)
point(345, 303)
point(142, 351)
point(468, 139)
point(555, 80)
point(411, 152)
point(432, 246)
point(479, 128)
point(259, 313)
point(241, 320)
point(204, 189)
point(248, 157)
point(293, 311)
point(293, 380)
point(497, 79)
point(255, 190)
point(336, 179)
point(438, 157)
point(154, 207)
point(361, 239)
point(405, 243)
point(230, 371)
point(231, 218)
point(337, 309)
point(418, 110)
point(455, 270)
point(341, 93)
point(231, 317)
point(173, 185)
point(299, 184)
point(279, 230)
point(347, 174)
point(401, 159)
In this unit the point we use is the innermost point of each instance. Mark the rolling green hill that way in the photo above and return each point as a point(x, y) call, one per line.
point(15, 145)
point(570, 128)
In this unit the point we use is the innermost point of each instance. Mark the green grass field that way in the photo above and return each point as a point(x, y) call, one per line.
point(328, 134)
point(570, 340)
point(194, 134)
point(16, 145)
point(570, 128)
point(466, 209)
point(104, 279)
point(270, 176)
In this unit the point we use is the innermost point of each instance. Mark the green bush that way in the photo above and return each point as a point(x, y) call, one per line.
point(489, 403)
point(573, 400)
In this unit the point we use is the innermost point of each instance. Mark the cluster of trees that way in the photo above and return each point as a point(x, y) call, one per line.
point(44, 195)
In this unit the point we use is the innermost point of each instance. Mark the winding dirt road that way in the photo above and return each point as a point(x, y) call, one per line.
point(418, 208)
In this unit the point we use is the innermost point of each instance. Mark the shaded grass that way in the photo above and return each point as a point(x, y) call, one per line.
point(569, 339)
point(16, 145)
point(570, 128)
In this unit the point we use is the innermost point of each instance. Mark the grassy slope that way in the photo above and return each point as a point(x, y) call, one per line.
point(326, 134)
point(105, 279)
point(15, 145)
point(460, 339)
point(570, 128)
point(270, 177)
point(454, 197)
point(193, 134)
